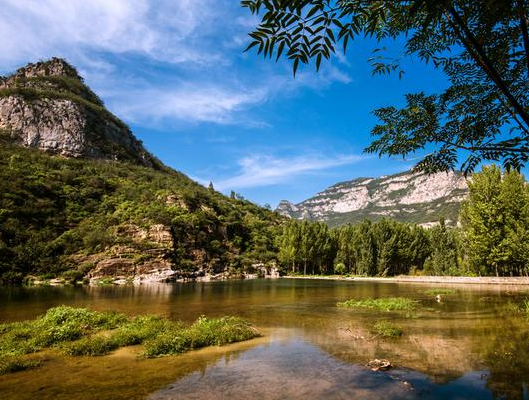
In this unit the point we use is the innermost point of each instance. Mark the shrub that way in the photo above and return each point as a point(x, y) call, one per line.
point(340, 269)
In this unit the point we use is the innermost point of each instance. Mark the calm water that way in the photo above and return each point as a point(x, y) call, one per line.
point(469, 346)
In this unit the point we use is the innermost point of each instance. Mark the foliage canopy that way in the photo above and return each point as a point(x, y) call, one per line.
point(481, 45)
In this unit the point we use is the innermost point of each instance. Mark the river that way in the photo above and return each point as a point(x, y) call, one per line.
point(470, 345)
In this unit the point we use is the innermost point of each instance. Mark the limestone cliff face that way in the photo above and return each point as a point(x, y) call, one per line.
point(408, 197)
point(47, 106)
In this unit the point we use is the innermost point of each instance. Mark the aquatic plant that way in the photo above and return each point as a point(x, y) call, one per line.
point(83, 332)
point(387, 329)
point(204, 332)
point(90, 346)
point(383, 304)
point(16, 363)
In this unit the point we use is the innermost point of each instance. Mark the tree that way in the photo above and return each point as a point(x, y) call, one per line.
point(482, 46)
point(443, 258)
point(496, 223)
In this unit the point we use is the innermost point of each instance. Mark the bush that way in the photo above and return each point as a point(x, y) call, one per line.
point(340, 269)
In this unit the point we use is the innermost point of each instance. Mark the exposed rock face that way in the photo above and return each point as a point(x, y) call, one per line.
point(408, 197)
point(47, 106)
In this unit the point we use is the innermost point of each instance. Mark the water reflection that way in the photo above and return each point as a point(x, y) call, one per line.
point(470, 345)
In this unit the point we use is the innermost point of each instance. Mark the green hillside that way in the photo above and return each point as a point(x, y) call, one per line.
point(60, 216)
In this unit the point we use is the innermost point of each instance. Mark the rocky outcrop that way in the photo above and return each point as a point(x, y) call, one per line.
point(408, 197)
point(47, 106)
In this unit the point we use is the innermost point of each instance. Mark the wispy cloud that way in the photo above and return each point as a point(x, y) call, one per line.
point(119, 44)
point(187, 102)
point(266, 170)
point(163, 30)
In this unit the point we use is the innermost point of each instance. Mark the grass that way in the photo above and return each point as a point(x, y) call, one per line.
point(90, 346)
point(387, 329)
point(82, 332)
point(10, 364)
point(204, 332)
point(522, 307)
point(383, 304)
point(439, 291)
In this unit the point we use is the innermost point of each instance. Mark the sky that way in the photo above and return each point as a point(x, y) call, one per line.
point(175, 71)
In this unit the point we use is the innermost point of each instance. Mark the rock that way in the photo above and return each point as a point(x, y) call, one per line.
point(47, 106)
point(379, 365)
point(405, 196)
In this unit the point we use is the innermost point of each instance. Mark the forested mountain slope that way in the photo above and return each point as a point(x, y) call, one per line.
point(80, 197)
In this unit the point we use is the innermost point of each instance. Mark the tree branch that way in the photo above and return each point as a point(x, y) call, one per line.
point(477, 52)
point(523, 28)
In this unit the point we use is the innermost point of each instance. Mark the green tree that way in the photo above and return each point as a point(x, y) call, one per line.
point(443, 258)
point(496, 223)
point(482, 47)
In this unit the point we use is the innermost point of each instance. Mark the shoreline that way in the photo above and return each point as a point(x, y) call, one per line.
point(461, 280)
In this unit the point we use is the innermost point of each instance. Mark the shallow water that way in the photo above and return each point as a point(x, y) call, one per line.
point(468, 346)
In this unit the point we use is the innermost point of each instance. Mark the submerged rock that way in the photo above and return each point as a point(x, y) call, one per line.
point(379, 365)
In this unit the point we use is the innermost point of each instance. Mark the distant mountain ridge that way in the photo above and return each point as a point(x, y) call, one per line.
point(47, 106)
point(406, 197)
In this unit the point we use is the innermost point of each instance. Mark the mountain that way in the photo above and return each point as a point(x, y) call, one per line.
point(81, 198)
point(47, 106)
point(406, 197)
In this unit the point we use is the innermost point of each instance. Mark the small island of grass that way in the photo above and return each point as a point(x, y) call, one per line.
point(387, 329)
point(82, 332)
point(383, 304)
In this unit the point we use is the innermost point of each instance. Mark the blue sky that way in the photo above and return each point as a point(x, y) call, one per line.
point(175, 71)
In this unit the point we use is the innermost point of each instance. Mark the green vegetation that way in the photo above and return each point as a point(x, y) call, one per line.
point(55, 211)
point(496, 223)
point(204, 332)
point(90, 346)
point(10, 364)
point(383, 304)
point(482, 47)
point(383, 248)
point(439, 291)
point(387, 329)
point(493, 240)
point(82, 332)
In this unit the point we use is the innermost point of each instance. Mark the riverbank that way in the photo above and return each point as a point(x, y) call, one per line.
point(462, 280)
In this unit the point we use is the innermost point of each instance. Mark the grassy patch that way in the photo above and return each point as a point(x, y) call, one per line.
point(10, 364)
point(90, 346)
point(384, 304)
point(387, 329)
point(439, 291)
point(522, 307)
point(204, 332)
point(82, 332)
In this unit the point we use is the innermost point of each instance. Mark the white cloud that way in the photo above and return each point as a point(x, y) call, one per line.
point(163, 29)
point(198, 41)
point(264, 170)
point(185, 102)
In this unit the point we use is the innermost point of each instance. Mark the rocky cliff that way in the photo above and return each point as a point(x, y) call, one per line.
point(47, 106)
point(407, 197)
